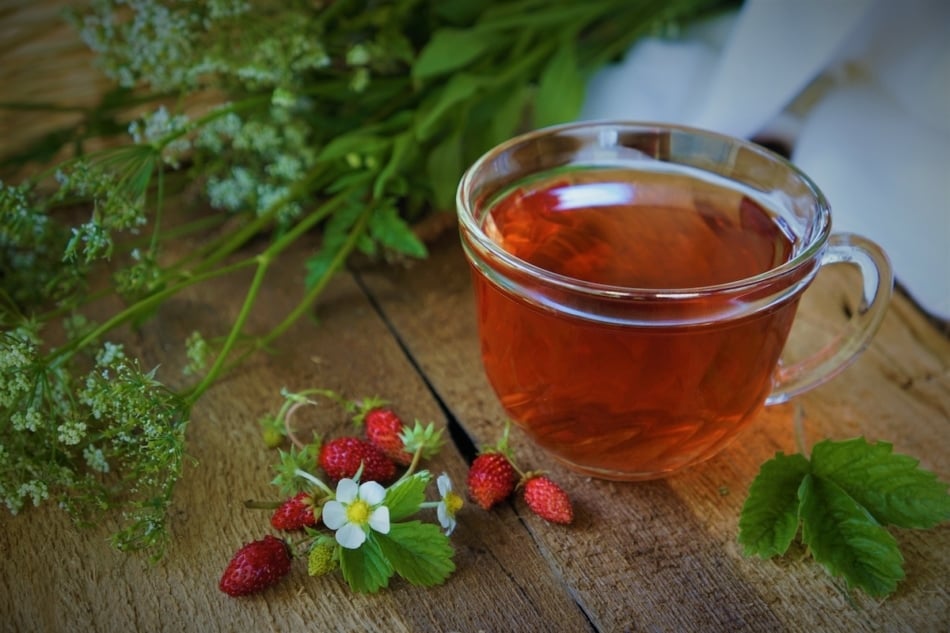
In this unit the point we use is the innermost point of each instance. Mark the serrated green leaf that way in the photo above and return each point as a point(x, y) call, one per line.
point(390, 230)
point(450, 49)
point(561, 89)
point(846, 539)
point(769, 518)
point(366, 569)
point(889, 485)
point(404, 497)
point(419, 552)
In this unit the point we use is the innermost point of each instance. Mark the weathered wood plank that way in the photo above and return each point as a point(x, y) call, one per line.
point(663, 555)
point(53, 578)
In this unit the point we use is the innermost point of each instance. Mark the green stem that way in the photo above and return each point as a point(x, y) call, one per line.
point(64, 353)
point(263, 262)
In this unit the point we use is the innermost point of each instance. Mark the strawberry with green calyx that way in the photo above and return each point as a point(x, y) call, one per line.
point(383, 428)
point(492, 477)
point(256, 566)
point(400, 442)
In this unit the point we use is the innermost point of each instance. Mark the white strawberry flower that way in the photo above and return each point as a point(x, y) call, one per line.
point(450, 504)
point(357, 509)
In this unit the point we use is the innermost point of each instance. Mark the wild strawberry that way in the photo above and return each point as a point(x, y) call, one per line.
point(384, 431)
point(547, 499)
point(491, 479)
point(341, 458)
point(295, 513)
point(256, 566)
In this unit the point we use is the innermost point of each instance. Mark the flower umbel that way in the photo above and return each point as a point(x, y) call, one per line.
point(357, 509)
point(450, 504)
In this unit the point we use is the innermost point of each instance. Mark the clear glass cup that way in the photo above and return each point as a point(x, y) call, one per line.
point(636, 283)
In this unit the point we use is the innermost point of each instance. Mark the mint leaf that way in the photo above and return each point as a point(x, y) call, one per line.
point(404, 497)
point(450, 49)
point(419, 552)
point(366, 569)
point(844, 537)
point(769, 518)
point(890, 486)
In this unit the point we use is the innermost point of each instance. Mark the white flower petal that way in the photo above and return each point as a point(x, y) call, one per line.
point(443, 515)
point(346, 491)
point(444, 484)
point(350, 536)
point(372, 493)
point(334, 514)
point(379, 520)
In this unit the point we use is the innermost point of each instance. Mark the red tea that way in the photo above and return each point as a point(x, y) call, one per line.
point(587, 378)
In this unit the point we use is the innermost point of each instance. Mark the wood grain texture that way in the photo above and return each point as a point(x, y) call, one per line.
point(53, 578)
point(662, 555)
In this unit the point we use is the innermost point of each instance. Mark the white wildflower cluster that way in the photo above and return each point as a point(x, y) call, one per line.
point(198, 352)
point(28, 255)
point(218, 133)
point(155, 44)
point(17, 359)
point(95, 459)
point(141, 277)
point(115, 183)
point(165, 132)
point(270, 156)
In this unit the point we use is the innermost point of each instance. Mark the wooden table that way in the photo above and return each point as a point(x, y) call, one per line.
point(656, 556)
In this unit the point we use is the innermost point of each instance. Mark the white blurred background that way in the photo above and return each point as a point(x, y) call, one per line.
point(858, 91)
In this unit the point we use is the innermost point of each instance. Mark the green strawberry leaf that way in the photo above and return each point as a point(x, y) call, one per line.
point(366, 569)
point(849, 491)
point(404, 497)
point(419, 552)
point(389, 229)
point(844, 537)
point(769, 519)
point(890, 486)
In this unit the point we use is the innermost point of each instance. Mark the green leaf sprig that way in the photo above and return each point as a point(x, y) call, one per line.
point(844, 497)
point(346, 120)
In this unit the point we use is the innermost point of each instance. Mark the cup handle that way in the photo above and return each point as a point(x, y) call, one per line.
point(878, 282)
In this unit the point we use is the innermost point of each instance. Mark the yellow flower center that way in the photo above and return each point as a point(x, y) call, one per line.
point(453, 502)
point(358, 512)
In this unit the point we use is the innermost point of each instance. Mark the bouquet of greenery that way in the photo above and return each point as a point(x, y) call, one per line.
point(350, 119)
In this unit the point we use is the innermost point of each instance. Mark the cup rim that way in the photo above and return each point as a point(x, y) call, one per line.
point(469, 226)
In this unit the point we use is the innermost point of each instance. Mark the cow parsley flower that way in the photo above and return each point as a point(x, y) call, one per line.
point(357, 509)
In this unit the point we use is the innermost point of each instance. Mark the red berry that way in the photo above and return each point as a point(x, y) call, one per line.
point(491, 479)
point(548, 500)
point(383, 429)
point(256, 566)
point(295, 514)
point(341, 458)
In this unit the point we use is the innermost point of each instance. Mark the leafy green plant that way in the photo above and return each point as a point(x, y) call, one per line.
point(843, 497)
point(351, 119)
